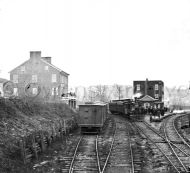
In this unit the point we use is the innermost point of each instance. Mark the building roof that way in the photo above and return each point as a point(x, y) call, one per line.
point(19, 66)
point(2, 80)
point(58, 69)
point(147, 98)
point(148, 81)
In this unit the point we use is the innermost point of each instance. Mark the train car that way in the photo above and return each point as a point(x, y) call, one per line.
point(185, 122)
point(91, 117)
point(124, 106)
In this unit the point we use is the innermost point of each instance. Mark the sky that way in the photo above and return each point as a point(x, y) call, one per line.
point(100, 41)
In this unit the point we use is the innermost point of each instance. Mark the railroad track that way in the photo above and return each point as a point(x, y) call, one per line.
point(85, 154)
point(124, 156)
point(162, 144)
point(105, 143)
point(177, 142)
point(113, 149)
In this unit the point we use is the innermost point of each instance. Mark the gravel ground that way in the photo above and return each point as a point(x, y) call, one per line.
point(154, 161)
point(52, 160)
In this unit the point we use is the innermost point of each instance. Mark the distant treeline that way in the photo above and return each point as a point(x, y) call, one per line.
point(180, 107)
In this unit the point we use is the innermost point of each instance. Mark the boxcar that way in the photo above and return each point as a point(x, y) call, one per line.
point(91, 117)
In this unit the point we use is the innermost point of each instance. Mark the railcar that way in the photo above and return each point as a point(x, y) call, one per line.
point(92, 117)
point(125, 106)
point(185, 122)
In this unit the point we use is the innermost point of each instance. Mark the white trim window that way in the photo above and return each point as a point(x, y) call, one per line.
point(54, 78)
point(156, 96)
point(156, 86)
point(15, 78)
point(138, 87)
point(62, 79)
point(57, 93)
point(22, 68)
point(15, 91)
point(34, 78)
point(35, 91)
point(54, 91)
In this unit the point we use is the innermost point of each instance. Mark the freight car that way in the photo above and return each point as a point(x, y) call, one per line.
point(122, 106)
point(91, 117)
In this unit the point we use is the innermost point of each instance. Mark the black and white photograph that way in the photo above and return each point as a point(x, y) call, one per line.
point(94, 86)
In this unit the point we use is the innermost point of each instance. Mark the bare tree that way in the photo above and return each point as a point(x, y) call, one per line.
point(177, 96)
point(92, 93)
point(118, 91)
point(128, 90)
point(101, 93)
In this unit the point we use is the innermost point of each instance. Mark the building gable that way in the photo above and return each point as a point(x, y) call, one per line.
point(147, 98)
point(36, 56)
point(16, 68)
point(54, 67)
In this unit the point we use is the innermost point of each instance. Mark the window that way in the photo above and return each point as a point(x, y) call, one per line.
point(63, 79)
point(156, 96)
point(156, 86)
point(34, 78)
point(15, 91)
point(54, 91)
point(15, 78)
point(138, 87)
point(22, 68)
point(46, 67)
point(34, 91)
point(54, 79)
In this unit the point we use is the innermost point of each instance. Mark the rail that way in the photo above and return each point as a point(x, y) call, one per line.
point(159, 148)
point(108, 156)
point(171, 127)
point(131, 152)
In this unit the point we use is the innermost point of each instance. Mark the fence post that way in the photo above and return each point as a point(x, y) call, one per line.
point(65, 131)
point(42, 141)
point(34, 146)
point(23, 153)
point(61, 130)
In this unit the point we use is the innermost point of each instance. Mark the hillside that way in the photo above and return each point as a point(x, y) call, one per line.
point(20, 119)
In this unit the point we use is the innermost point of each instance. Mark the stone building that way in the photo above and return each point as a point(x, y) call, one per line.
point(39, 77)
point(149, 93)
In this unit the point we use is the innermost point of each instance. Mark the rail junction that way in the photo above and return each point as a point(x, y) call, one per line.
point(122, 146)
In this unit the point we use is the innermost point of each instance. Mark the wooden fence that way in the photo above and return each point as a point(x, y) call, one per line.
point(35, 144)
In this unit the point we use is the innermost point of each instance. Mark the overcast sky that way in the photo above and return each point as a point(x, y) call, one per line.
point(100, 41)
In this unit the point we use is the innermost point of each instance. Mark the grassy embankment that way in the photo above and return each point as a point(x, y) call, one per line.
point(20, 119)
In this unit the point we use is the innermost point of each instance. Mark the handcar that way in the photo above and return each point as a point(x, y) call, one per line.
point(92, 117)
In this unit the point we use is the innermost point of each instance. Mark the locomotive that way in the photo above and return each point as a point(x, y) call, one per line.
point(122, 106)
point(129, 107)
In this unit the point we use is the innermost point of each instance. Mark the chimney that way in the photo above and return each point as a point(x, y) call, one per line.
point(34, 55)
point(146, 86)
point(47, 59)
